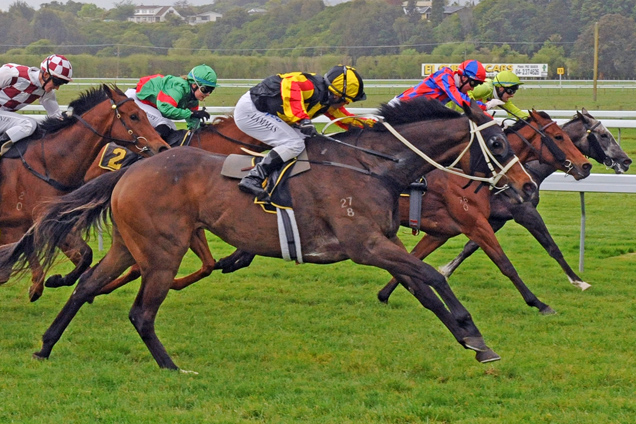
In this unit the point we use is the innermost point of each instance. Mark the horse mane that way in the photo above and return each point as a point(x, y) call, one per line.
point(415, 110)
point(523, 122)
point(86, 101)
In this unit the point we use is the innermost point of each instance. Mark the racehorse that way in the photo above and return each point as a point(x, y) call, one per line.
point(444, 217)
point(540, 138)
point(346, 207)
point(222, 136)
point(595, 141)
point(54, 160)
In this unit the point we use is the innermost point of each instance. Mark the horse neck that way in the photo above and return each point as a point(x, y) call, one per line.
point(539, 171)
point(70, 151)
point(577, 133)
point(225, 138)
point(441, 140)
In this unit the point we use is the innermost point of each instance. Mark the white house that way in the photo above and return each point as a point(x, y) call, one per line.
point(203, 18)
point(150, 14)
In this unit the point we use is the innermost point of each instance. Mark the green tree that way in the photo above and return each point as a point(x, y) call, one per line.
point(22, 9)
point(437, 12)
point(91, 11)
point(41, 47)
point(553, 55)
point(122, 11)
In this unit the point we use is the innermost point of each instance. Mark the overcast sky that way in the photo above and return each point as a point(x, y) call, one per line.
point(104, 4)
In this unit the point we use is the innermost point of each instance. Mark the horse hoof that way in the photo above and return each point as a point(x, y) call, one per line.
point(487, 356)
point(547, 311)
point(582, 285)
point(39, 356)
point(188, 372)
point(34, 295)
point(476, 343)
point(55, 281)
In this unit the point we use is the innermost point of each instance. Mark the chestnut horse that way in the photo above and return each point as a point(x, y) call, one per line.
point(444, 217)
point(595, 141)
point(346, 207)
point(222, 136)
point(54, 160)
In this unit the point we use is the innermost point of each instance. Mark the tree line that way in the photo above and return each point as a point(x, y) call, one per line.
point(377, 36)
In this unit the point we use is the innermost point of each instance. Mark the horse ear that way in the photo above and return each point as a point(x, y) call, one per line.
point(107, 90)
point(468, 108)
point(581, 116)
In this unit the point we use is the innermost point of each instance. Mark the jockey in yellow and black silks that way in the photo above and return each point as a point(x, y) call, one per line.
point(278, 112)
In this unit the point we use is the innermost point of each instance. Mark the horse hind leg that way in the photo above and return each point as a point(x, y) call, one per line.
point(112, 265)
point(199, 245)
point(80, 253)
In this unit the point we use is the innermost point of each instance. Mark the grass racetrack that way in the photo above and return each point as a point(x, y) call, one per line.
point(283, 343)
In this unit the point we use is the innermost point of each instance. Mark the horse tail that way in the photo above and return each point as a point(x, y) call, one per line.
point(78, 211)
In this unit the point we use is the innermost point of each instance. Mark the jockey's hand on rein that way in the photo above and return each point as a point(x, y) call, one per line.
point(200, 114)
point(307, 127)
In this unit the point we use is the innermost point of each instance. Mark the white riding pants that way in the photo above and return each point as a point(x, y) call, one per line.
point(16, 126)
point(154, 116)
point(288, 142)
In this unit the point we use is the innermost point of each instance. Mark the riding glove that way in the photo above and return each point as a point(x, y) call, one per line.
point(491, 104)
point(307, 127)
point(200, 114)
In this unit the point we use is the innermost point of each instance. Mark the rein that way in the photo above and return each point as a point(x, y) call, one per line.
point(490, 158)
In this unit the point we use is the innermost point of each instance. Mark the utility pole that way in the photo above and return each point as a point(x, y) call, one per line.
point(595, 57)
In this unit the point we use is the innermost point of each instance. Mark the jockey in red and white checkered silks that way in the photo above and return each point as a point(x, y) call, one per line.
point(22, 85)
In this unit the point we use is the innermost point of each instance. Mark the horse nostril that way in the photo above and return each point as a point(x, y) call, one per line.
point(587, 166)
point(627, 162)
point(529, 188)
point(163, 149)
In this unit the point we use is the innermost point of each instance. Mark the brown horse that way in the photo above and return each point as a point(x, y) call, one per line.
point(529, 142)
point(346, 208)
point(593, 140)
point(222, 136)
point(451, 207)
point(53, 162)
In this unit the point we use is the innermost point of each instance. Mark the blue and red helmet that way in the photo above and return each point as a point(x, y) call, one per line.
point(472, 69)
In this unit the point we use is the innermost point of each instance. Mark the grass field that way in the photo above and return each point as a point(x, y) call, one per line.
point(283, 343)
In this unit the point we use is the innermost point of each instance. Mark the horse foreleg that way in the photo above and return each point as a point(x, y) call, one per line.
point(132, 275)
point(80, 253)
point(199, 245)
point(483, 235)
point(422, 249)
point(529, 217)
point(112, 265)
point(235, 261)
point(469, 248)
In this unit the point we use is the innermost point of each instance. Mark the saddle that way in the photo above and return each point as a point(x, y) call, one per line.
point(18, 148)
point(238, 166)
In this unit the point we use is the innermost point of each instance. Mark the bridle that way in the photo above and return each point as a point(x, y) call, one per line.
point(115, 107)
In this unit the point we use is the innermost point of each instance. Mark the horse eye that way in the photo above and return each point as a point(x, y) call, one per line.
point(559, 137)
point(134, 117)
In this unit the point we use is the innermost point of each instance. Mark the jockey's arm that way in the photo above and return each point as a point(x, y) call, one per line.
point(350, 119)
point(49, 102)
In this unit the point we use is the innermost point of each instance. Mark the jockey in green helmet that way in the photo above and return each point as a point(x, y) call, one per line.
point(502, 87)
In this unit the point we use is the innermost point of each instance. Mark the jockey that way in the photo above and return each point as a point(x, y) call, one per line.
point(165, 98)
point(448, 86)
point(502, 87)
point(278, 112)
point(22, 85)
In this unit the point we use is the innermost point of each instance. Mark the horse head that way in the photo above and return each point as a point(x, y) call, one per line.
point(591, 137)
point(540, 138)
point(129, 124)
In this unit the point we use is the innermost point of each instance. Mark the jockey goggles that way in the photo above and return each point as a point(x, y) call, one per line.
point(205, 89)
point(58, 82)
point(511, 90)
point(473, 82)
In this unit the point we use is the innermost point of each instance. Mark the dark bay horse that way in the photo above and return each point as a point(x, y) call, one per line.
point(53, 161)
point(595, 141)
point(346, 208)
point(450, 207)
point(221, 136)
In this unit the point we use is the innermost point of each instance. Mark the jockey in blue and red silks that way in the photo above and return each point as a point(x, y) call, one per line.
point(450, 86)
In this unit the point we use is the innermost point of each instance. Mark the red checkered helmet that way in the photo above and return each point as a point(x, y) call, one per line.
point(58, 66)
point(472, 69)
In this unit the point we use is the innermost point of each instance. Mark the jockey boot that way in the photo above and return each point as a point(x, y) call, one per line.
point(253, 182)
point(164, 131)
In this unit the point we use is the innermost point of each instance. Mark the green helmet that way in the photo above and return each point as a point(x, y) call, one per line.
point(202, 75)
point(506, 79)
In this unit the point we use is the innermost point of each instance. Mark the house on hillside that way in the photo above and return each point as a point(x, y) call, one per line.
point(425, 8)
point(151, 14)
point(204, 18)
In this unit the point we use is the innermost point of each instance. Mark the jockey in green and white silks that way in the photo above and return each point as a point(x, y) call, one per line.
point(502, 87)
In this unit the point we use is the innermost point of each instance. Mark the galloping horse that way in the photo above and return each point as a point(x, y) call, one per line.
point(444, 217)
point(53, 161)
point(346, 208)
point(222, 136)
point(595, 141)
